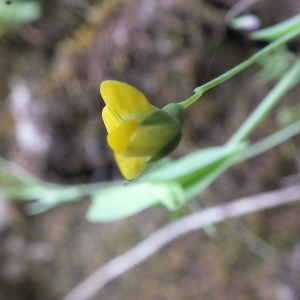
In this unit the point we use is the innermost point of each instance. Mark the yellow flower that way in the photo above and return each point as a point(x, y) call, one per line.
point(138, 132)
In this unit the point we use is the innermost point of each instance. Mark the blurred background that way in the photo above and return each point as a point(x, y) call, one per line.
point(53, 56)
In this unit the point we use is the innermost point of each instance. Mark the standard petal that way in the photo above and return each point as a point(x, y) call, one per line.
point(119, 138)
point(124, 100)
point(131, 167)
point(110, 119)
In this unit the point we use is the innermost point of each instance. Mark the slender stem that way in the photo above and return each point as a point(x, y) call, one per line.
point(275, 31)
point(271, 141)
point(282, 87)
point(186, 103)
point(260, 54)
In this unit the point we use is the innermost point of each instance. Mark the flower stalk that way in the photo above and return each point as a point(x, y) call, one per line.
point(227, 75)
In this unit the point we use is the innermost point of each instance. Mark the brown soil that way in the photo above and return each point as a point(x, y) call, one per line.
point(166, 49)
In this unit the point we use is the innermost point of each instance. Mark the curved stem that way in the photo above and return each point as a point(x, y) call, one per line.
point(260, 54)
point(287, 82)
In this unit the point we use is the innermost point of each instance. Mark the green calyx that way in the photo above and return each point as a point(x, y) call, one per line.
point(176, 112)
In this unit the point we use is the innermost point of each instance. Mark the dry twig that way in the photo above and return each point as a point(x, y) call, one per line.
point(126, 261)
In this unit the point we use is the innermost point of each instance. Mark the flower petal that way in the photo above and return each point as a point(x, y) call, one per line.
point(131, 167)
point(110, 119)
point(124, 101)
point(119, 138)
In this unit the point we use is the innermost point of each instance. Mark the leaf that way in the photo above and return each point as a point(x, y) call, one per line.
point(171, 195)
point(19, 12)
point(151, 166)
point(16, 191)
point(195, 162)
point(209, 174)
point(197, 170)
point(121, 201)
point(278, 30)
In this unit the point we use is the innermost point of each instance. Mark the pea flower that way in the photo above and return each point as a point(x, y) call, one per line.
point(138, 132)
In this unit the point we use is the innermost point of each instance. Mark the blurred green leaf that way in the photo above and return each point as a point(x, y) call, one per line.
point(271, 141)
point(196, 171)
point(171, 195)
point(120, 201)
point(19, 12)
point(183, 169)
point(278, 30)
point(288, 115)
point(207, 175)
point(275, 65)
point(8, 178)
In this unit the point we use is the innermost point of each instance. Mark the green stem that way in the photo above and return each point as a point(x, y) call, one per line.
point(271, 141)
point(288, 81)
point(260, 54)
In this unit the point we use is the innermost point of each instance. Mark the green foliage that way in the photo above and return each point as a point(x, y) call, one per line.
point(122, 200)
point(17, 12)
point(278, 30)
point(275, 65)
point(166, 182)
point(288, 115)
point(196, 170)
point(17, 183)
